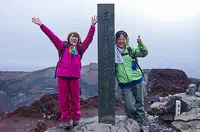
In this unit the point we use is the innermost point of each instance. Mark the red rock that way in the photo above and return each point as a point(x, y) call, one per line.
point(167, 81)
point(40, 127)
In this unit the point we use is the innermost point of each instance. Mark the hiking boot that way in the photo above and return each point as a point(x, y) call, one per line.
point(75, 122)
point(67, 125)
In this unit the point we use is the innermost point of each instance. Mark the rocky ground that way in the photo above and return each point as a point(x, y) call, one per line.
point(44, 113)
point(122, 124)
point(189, 118)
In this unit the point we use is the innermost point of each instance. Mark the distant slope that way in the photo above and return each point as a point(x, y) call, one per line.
point(22, 88)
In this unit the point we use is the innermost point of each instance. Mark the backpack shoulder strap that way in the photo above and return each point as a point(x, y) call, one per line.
point(133, 57)
point(62, 51)
point(130, 52)
point(80, 51)
point(123, 54)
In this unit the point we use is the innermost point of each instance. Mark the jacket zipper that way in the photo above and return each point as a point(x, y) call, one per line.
point(126, 72)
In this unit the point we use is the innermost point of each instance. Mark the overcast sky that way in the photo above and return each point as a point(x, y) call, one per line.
point(169, 28)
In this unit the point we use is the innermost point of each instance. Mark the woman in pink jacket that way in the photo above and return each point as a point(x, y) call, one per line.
point(69, 71)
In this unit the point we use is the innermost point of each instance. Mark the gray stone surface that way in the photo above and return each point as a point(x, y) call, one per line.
point(188, 121)
point(155, 108)
point(123, 124)
point(193, 114)
point(192, 101)
point(106, 64)
point(191, 89)
point(188, 102)
point(198, 94)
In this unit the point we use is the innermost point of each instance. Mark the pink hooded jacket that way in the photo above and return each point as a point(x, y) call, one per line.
point(70, 66)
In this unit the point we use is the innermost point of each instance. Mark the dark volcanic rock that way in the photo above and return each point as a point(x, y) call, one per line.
point(47, 107)
point(40, 127)
point(167, 81)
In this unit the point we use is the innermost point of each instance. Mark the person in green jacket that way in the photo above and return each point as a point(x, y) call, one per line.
point(129, 76)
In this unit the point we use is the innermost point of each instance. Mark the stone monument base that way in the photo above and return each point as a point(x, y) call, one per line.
point(123, 124)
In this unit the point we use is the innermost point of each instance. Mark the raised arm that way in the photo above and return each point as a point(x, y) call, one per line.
point(140, 50)
point(90, 35)
point(54, 39)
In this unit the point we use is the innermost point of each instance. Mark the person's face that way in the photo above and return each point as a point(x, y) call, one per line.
point(121, 41)
point(73, 39)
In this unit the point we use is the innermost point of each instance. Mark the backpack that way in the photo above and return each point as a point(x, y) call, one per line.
point(80, 52)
